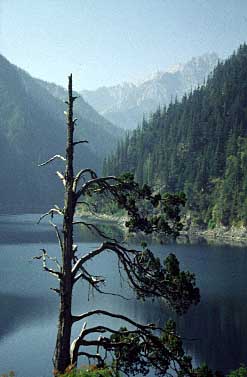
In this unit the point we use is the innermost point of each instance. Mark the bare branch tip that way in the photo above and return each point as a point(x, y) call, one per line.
point(52, 159)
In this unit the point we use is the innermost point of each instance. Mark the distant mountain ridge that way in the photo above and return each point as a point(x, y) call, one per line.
point(32, 129)
point(125, 104)
point(199, 146)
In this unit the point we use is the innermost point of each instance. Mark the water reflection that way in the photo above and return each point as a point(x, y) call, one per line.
point(106, 228)
point(18, 311)
point(220, 327)
point(29, 308)
point(16, 229)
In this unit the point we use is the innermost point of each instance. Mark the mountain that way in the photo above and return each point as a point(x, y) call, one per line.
point(198, 146)
point(101, 133)
point(125, 104)
point(32, 129)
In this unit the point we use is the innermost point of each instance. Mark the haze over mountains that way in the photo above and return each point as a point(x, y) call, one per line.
point(124, 105)
point(32, 129)
point(198, 146)
point(33, 126)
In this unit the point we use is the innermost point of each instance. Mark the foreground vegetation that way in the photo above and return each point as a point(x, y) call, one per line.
point(89, 372)
point(203, 371)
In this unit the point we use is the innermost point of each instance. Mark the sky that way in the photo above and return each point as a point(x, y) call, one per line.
point(106, 42)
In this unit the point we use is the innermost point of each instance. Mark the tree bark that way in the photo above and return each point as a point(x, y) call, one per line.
point(145, 275)
point(62, 351)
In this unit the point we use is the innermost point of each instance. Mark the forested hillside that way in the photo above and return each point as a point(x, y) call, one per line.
point(198, 146)
point(32, 129)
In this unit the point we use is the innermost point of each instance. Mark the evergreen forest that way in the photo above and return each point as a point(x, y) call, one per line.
point(198, 146)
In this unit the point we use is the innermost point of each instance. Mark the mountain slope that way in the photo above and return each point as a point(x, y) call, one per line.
point(32, 129)
point(101, 134)
point(125, 104)
point(198, 146)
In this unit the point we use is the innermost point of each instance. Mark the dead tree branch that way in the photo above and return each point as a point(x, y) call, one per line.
point(51, 213)
point(87, 257)
point(93, 182)
point(82, 173)
point(113, 315)
point(52, 159)
point(58, 235)
point(60, 175)
point(45, 256)
point(80, 142)
point(93, 227)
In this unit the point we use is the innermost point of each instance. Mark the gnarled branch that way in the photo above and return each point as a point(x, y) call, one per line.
point(58, 236)
point(80, 174)
point(51, 212)
point(101, 341)
point(45, 256)
point(113, 315)
point(95, 181)
point(92, 280)
point(56, 290)
point(80, 142)
point(52, 159)
point(61, 176)
point(93, 227)
point(87, 257)
point(92, 356)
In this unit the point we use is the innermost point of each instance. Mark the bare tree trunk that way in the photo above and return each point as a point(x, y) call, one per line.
point(62, 351)
point(146, 276)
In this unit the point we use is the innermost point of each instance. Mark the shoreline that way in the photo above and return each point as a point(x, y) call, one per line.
point(218, 235)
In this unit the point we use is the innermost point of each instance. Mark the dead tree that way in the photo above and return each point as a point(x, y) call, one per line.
point(139, 348)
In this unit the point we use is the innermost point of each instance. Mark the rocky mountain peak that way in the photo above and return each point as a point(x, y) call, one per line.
point(126, 103)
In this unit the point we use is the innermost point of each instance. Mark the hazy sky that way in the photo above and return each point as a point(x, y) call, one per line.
point(104, 42)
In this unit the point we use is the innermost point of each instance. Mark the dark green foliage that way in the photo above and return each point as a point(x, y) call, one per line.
point(198, 146)
point(89, 372)
point(241, 372)
point(150, 213)
point(141, 347)
point(147, 212)
point(145, 351)
point(167, 281)
point(204, 371)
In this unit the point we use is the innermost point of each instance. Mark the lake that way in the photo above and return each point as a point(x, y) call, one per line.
point(215, 331)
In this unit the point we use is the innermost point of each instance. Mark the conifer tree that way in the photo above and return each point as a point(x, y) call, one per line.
point(135, 347)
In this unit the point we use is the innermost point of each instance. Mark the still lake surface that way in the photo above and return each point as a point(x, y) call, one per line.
point(215, 331)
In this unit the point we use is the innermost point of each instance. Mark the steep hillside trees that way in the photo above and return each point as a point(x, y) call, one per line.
point(138, 347)
point(197, 146)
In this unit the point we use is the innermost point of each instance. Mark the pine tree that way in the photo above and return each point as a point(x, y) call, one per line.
point(137, 349)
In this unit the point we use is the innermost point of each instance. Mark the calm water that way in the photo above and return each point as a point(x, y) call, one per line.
point(28, 308)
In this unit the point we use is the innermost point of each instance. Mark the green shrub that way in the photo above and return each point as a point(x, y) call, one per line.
point(203, 371)
point(241, 372)
point(89, 372)
point(211, 224)
point(9, 374)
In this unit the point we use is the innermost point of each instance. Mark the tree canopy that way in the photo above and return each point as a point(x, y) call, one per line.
point(197, 146)
point(135, 347)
